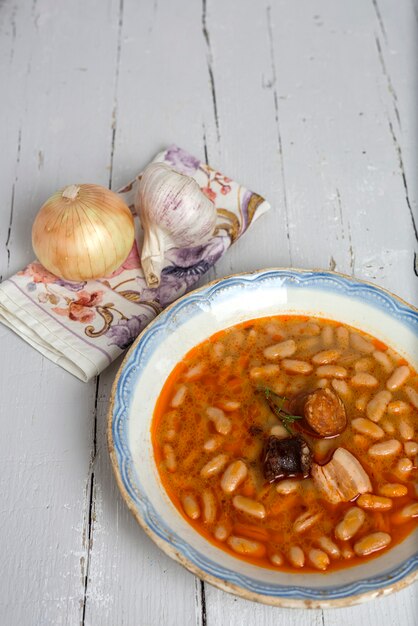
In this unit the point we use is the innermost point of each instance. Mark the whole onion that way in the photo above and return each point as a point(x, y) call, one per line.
point(83, 232)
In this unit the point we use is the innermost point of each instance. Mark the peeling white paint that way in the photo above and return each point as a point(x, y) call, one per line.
point(305, 116)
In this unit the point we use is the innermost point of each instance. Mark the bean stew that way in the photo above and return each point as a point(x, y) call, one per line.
point(292, 443)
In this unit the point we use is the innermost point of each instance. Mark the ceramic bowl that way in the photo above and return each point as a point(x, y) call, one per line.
point(165, 341)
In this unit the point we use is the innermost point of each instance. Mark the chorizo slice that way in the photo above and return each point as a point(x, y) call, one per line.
point(325, 412)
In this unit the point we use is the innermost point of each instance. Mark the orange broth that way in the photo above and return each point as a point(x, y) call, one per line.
point(223, 369)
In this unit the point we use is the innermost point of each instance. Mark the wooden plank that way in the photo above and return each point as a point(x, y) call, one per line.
point(56, 114)
point(130, 580)
point(250, 149)
point(312, 105)
point(400, 608)
point(335, 178)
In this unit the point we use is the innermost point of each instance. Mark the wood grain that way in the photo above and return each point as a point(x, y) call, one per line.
point(313, 104)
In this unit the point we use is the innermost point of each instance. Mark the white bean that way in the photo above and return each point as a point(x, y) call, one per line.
point(383, 360)
point(179, 397)
point(365, 364)
point(329, 546)
point(214, 413)
point(222, 423)
point(230, 405)
point(212, 444)
point(412, 395)
point(296, 556)
point(388, 427)
point(385, 448)
point(297, 367)
point(249, 506)
point(287, 486)
point(406, 429)
point(218, 350)
point(348, 359)
point(325, 357)
point(399, 407)
point(233, 476)
point(318, 558)
point(411, 448)
point(371, 502)
point(361, 401)
point(347, 552)
point(398, 378)
point(279, 431)
point(343, 337)
point(276, 559)
point(191, 507)
point(327, 336)
point(305, 521)
point(341, 388)
point(214, 466)
point(403, 468)
point(195, 372)
point(410, 510)
point(363, 379)
point(170, 435)
point(377, 405)
point(170, 457)
point(322, 449)
point(393, 490)
point(322, 383)
point(237, 338)
point(368, 428)
point(372, 543)
point(171, 425)
point(264, 371)
point(351, 523)
point(306, 328)
point(280, 350)
point(331, 371)
point(221, 532)
point(308, 344)
point(274, 330)
point(246, 546)
point(209, 506)
point(362, 345)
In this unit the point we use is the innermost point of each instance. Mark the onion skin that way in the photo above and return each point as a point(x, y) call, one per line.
point(85, 236)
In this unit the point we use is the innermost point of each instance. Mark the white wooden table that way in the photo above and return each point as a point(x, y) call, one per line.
point(312, 103)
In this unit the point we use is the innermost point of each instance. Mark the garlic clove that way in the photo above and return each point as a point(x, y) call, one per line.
point(152, 257)
point(174, 212)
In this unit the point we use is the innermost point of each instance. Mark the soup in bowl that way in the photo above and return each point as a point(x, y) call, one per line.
point(264, 433)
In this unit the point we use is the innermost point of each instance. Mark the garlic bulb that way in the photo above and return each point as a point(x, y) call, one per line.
point(83, 232)
point(174, 212)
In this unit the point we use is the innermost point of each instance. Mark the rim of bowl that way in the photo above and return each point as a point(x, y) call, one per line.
point(176, 555)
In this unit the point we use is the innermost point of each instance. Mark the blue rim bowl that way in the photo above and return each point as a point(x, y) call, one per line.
point(189, 321)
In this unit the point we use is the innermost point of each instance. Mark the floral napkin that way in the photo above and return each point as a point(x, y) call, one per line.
point(85, 326)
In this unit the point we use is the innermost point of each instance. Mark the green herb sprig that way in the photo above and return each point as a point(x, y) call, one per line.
point(276, 404)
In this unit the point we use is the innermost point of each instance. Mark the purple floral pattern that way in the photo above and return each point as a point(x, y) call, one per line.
point(125, 331)
point(110, 313)
point(181, 160)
